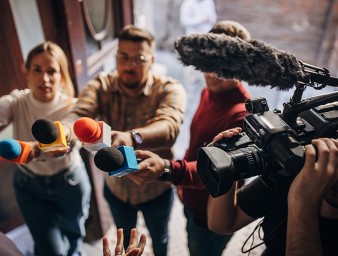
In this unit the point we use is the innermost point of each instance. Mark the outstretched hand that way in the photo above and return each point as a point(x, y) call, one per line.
point(149, 169)
point(135, 248)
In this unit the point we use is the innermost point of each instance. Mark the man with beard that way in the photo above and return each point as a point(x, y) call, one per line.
point(145, 111)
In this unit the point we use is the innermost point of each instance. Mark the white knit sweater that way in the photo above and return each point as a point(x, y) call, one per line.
point(21, 109)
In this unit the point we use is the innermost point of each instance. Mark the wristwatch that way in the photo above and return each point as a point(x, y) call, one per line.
point(137, 138)
point(166, 174)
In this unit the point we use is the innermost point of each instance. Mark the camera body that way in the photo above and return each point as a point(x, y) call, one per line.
point(272, 143)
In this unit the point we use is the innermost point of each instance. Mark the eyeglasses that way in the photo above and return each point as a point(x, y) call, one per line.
point(135, 61)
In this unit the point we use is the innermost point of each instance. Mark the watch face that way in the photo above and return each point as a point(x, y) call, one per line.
point(165, 176)
point(138, 138)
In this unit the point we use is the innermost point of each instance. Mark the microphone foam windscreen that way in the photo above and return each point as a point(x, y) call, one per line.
point(253, 61)
point(10, 148)
point(45, 131)
point(108, 159)
point(87, 129)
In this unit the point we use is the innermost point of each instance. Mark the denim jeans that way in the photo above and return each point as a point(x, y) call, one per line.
point(156, 215)
point(202, 241)
point(55, 209)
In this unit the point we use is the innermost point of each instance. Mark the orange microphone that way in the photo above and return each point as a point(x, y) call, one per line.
point(14, 151)
point(94, 135)
point(50, 135)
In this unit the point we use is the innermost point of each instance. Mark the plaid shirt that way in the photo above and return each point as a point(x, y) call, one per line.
point(162, 100)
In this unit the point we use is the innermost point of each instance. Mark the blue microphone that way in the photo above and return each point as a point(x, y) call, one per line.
point(117, 162)
point(14, 151)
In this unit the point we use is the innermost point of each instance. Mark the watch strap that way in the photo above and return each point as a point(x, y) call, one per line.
point(166, 174)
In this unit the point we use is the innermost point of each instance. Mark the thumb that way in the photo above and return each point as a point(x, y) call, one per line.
point(143, 154)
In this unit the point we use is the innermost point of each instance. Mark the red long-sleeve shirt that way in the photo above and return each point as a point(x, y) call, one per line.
point(216, 112)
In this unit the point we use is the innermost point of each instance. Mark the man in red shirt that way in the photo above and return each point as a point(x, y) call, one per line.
point(222, 106)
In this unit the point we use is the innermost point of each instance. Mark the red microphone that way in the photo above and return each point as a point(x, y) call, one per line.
point(94, 135)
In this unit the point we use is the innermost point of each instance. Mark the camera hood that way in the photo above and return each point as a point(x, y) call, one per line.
point(214, 167)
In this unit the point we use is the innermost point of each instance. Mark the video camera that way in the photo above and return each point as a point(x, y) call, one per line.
point(272, 144)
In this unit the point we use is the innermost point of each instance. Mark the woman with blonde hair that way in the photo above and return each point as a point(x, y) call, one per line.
point(53, 193)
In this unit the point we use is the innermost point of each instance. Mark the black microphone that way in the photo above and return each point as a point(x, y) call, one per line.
point(45, 131)
point(50, 135)
point(253, 61)
point(116, 161)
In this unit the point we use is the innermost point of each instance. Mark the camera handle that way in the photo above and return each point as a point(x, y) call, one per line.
point(292, 110)
point(317, 78)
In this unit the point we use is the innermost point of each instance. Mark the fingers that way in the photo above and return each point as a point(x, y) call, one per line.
point(317, 175)
point(135, 247)
point(325, 148)
point(119, 243)
point(58, 152)
point(310, 158)
point(143, 154)
point(321, 162)
point(327, 156)
point(143, 241)
point(105, 243)
point(227, 134)
point(133, 238)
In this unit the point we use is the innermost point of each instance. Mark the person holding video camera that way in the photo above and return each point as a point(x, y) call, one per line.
point(300, 215)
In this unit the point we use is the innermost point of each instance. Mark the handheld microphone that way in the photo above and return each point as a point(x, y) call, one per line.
point(93, 135)
point(50, 135)
point(14, 151)
point(117, 162)
point(253, 61)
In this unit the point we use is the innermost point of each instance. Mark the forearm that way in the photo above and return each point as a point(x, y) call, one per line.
point(86, 106)
point(161, 131)
point(185, 174)
point(221, 212)
point(303, 236)
point(157, 135)
point(224, 214)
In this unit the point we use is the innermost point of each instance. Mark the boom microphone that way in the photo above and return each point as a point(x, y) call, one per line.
point(94, 135)
point(253, 61)
point(50, 135)
point(14, 151)
point(116, 161)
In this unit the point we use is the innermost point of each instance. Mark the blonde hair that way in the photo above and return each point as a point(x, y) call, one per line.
point(54, 50)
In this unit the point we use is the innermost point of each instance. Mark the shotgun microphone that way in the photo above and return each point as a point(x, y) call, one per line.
point(253, 61)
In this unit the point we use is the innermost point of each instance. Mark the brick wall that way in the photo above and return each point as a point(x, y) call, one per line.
point(307, 29)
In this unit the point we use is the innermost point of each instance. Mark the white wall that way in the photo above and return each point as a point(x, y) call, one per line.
point(28, 24)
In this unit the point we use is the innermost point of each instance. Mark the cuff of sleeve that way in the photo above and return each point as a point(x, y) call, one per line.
point(176, 172)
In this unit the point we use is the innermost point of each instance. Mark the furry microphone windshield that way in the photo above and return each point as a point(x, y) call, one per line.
point(252, 61)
